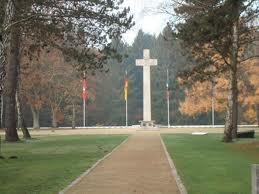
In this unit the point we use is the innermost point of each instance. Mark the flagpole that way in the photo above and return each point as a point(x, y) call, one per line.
point(126, 103)
point(212, 103)
point(168, 104)
point(84, 102)
point(84, 113)
point(126, 112)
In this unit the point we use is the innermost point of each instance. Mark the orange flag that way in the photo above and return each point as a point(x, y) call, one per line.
point(126, 89)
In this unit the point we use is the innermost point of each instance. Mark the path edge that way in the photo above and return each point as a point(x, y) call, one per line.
point(78, 179)
point(178, 180)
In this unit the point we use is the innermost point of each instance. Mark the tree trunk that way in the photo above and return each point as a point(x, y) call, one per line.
point(1, 110)
point(11, 84)
point(18, 109)
point(4, 42)
point(235, 104)
point(35, 117)
point(25, 131)
point(73, 117)
point(229, 121)
point(232, 108)
point(21, 123)
point(54, 120)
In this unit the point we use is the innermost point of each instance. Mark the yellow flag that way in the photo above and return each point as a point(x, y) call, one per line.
point(126, 89)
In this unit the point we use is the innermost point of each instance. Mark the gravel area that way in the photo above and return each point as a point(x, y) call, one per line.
point(139, 166)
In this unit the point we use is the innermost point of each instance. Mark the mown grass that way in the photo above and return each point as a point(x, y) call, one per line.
point(208, 166)
point(48, 164)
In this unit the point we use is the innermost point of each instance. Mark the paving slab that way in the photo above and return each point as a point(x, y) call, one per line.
point(138, 166)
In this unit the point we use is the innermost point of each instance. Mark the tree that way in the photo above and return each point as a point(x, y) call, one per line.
point(216, 32)
point(251, 84)
point(20, 118)
point(34, 77)
point(6, 17)
point(74, 91)
point(168, 52)
point(56, 92)
point(12, 38)
point(46, 21)
point(198, 96)
point(19, 108)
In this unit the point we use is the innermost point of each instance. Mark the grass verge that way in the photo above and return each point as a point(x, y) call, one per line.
point(47, 164)
point(208, 166)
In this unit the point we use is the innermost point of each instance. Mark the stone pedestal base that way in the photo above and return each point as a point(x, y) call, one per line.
point(147, 123)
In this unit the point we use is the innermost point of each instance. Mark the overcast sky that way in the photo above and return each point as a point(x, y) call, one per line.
point(148, 21)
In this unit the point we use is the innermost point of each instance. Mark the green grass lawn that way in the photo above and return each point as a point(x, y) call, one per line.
point(48, 164)
point(208, 166)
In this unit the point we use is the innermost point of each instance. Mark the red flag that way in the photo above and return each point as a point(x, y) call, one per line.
point(84, 93)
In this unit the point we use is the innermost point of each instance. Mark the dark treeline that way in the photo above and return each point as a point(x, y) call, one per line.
point(106, 105)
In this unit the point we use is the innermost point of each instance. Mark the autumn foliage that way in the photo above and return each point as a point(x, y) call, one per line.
point(198, 97)
point(48, 80)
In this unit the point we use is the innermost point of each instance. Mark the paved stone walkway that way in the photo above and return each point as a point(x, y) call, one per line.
point(139, 166)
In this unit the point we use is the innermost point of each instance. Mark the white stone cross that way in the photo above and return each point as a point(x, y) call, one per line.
point(146, 62)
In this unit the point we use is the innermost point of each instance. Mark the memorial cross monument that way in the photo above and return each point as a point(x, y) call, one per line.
point(146, 62)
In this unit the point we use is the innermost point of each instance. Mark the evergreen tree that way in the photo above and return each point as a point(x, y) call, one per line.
point(216, 32)
point(88, 24)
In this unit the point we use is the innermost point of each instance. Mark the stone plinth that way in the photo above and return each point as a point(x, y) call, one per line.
point(147, 123)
